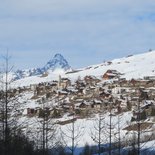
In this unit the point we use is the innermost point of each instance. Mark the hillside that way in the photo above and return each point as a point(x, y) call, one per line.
point(112, 96)
point(132, 66)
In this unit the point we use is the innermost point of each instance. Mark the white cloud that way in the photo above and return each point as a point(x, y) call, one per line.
point(80, 27)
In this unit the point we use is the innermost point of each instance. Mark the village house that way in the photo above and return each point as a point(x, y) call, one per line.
point(72, 90)
point(149, 77)
point(80, 84)
point(91, 80)
point(111, 74)
point(62, 93)
point(149, 107)
point(97, 104)
point(139, 115)
point(39, 90)
point(12, 93)
point(45, 112)
point(140, 83)
point(38, 111)
point(105, 95)
point(15, 91)
point(63, 83)
point(67, 107)
point(30, 112)
point(32, 87)
point(83, 105)
point(122, 105)
point(89, 91)
point(55, 112)
point(53, 86)
point(109, 63)
point(123, 82)
point(151, 93)
point(80, 93)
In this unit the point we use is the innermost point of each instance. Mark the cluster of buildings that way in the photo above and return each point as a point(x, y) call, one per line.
point(91, 95)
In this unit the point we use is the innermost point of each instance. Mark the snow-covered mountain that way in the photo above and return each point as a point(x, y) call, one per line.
point(131, 66)
point(58, 62)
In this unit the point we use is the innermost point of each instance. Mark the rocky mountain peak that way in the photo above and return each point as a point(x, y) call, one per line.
point(58, 62)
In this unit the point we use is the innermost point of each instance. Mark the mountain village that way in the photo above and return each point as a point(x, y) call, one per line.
point(91, 95)
point(77, 95)
point(77, 77)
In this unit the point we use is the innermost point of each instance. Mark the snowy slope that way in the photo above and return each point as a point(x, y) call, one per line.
point(83, 126)
point(86, 126)
point(136, 66)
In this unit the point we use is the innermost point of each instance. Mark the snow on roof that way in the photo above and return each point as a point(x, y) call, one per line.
point(71, 88)
point(62, 91)
point(25, 112)
point(97, 101)
point(111, 74)
point(79, 100)
point(146, 102)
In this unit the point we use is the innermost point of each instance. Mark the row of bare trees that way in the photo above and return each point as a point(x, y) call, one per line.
point(12, 140)
point(46, 142)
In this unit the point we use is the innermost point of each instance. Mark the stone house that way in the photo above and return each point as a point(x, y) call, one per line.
point(111, 74)
point(91, 80)
point(31, 112)
point(55, 112)
point(97, 104)
point(63, 83)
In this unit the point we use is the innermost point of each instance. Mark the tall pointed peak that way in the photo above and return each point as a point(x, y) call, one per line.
point(58, 55)
point(57, 62)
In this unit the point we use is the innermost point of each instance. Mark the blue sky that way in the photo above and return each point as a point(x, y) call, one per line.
point(85, 31)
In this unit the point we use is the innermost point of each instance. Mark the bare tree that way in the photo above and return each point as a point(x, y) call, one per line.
point(5, 102)
point(97, 133)
point(43, 130)
point(72, 133)
point(110, 125)
point(9, 104)
point(139, 137)
point(87, 150)
point(117, 136)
